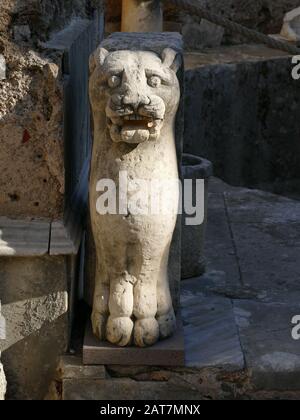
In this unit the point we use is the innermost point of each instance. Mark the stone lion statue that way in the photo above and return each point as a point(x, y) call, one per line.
point(134, 97)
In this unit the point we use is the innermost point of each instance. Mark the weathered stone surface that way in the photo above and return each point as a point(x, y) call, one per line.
point(23, 238)
point(2, 67)
point(132, 295)
point(21, 33)
point(211, 337)
point(202, 35)
point(270, 351)
point(272, 268)
point(141, 16)
point(35, 119)
point(71, 367)
point(34, 294)
point(29, 107)
point(219, 251)
point(262, 15)
point(265, 16)
point(32, 112)
point(125, 389)
point(248, 90)
point(43, 16)
point(76, 42)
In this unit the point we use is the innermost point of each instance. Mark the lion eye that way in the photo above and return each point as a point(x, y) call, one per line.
point(154, 81)
point(114, 81)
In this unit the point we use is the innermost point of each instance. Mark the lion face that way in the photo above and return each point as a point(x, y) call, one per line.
point(137, 90)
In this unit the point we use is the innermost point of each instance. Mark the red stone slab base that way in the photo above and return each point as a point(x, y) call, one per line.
point(169, 352)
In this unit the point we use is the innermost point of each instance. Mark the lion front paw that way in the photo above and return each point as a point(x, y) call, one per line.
point(146, 332)
point(167, 324)
point(119, 330)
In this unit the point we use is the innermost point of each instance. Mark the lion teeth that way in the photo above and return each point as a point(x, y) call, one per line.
point(134, 117)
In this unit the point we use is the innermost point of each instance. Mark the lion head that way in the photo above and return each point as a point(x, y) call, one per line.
point(138, 90)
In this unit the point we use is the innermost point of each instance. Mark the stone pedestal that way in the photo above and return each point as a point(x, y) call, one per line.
point(168, 352)
point(141, 16)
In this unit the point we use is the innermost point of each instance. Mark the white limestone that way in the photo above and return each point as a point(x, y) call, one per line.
point(132, 300)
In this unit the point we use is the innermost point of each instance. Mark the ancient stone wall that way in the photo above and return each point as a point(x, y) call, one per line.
point(245, 117)
point(44, 155)
point(264, 15)
point(31, 106)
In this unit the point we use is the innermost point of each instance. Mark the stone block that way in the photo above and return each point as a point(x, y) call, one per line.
point(125, 389)
point(34, 294)
point(168, 352)
point(202, 35)
point(241, 93)
point(71, 367)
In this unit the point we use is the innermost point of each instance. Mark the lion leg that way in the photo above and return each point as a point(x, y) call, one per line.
point(146, 328)
point(119, 325)
point(100, 304)
point(165, 312)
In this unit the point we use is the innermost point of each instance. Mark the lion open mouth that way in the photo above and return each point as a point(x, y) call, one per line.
point(134, 128)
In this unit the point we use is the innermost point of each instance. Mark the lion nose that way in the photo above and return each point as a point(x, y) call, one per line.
point(135, 100)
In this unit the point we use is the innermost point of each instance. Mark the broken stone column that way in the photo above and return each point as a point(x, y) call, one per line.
point(2, 375)
point(135, 93)
point(142, 16)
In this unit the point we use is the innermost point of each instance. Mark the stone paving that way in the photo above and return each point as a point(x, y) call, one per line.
point(238, 315)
